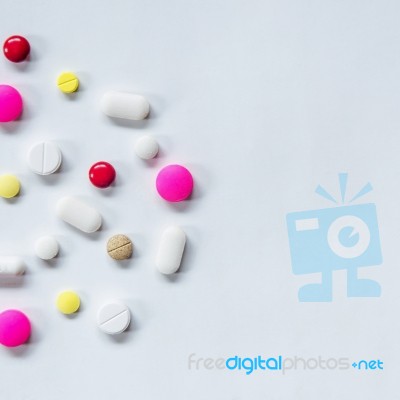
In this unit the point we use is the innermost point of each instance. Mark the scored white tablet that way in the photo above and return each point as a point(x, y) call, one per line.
point(114, 318)
point(44, 158)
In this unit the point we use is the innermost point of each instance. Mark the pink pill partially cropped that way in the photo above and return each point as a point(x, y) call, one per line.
point(15, 328)
point(10, 103)
point(174, 183)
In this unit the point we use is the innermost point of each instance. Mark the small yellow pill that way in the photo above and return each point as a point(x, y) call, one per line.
point(9, 186)
point(68, 302)
point(68, 82)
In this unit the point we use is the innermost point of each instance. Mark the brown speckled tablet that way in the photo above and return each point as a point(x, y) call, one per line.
point(119, 247)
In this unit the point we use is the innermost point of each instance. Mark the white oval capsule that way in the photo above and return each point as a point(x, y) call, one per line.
point(78, 214)
point(11, 266)
point(125, 105)
point(171, 249)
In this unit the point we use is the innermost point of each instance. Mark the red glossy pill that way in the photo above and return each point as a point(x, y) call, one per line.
point(102, 174)
point(16, 48)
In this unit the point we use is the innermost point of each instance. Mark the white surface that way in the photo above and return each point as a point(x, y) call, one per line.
point(170, 250)
point(262, 101)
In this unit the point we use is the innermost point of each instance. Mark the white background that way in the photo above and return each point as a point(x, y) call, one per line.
point(262, 100)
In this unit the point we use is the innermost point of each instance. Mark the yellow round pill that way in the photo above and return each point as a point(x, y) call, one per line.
point(68, 302)
point(9, 186)
point(68, 82)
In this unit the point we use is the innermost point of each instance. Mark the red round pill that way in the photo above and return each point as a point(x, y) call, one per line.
point(16, 48)
point(102, 174)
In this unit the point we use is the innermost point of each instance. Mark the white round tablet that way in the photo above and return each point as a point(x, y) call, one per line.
point(146, 147)
point(114, 318)
point(44, 158)
point(46, 248)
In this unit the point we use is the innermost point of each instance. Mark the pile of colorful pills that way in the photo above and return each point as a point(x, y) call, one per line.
point(174, 183)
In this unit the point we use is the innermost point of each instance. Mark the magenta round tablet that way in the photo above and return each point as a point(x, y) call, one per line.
point(174, 183)
point(10, 103)
point(15, 328)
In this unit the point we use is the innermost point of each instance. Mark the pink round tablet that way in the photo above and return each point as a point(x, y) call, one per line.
point(174, 183)
point(10, 103)
point(15, 328)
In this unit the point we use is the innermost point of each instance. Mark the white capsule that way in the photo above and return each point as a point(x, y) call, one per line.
point(113, 318)
point(171, 249)
point(78, 214)
point(44, 158)
point(11, 266)
point(125, 105)
point(146, 147)
point(46, 248)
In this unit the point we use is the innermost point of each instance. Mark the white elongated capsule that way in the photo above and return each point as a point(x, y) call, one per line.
point(171, 249)
point(125, 105)
point(11, 266)
point(78, 214)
